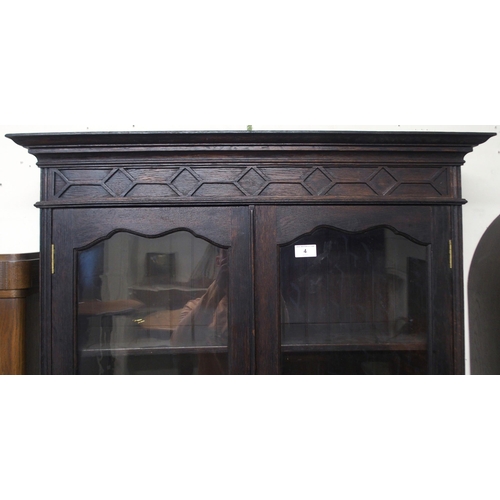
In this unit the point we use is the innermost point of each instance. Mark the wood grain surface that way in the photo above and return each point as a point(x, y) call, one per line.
point(18, 278)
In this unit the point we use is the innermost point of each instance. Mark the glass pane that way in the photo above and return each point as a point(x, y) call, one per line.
point(354, 303)
point(152, 306)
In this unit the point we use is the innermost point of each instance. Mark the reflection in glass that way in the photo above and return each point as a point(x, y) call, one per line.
point(354, 303)
point(152, 305)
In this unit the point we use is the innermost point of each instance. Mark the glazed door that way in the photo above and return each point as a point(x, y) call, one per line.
point(152, 291)
point(326, 289)
point(356, 290)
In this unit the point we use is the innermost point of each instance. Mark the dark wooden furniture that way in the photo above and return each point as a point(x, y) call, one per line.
point(19, 316)
point(343, 249)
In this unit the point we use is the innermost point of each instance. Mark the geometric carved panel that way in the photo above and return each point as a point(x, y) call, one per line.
point(350, 173)
point(185, 182)
point(85, 175)
point(440, 182)
point(151, 191)
point(210, 189)
point(318, 182)
point(220, 174)
point(382, 182)
point(252, 180)
point(351, 189)
point(420, 190)
point(60, 183)
point(287, 174)
point(152, 175)
point(285, 189)
point(81, 191)
point(118, 182)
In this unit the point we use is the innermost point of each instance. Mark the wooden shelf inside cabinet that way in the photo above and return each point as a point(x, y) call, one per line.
point(189, 290)
point(166, 295)
point(149, 347)
point(403, 344)
point(311, 338)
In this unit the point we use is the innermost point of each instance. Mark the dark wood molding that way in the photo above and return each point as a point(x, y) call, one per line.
point(279, 140)
point(256, 167)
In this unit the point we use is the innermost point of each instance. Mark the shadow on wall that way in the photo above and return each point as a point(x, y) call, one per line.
point(484, 304)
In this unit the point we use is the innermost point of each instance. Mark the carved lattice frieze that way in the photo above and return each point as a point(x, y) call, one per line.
point(253, 180)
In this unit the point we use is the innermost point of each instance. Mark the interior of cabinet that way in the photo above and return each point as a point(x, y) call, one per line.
point(134, 294)
point(363, 293)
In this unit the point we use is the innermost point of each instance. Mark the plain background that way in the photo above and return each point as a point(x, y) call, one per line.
point(219, 65)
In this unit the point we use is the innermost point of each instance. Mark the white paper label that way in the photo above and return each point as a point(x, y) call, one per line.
point(305, 251)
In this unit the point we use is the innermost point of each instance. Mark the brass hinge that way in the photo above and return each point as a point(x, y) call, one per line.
point(451, 253)
point(53, 258)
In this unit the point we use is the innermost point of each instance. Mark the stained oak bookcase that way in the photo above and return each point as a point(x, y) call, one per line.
point(278, 252)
